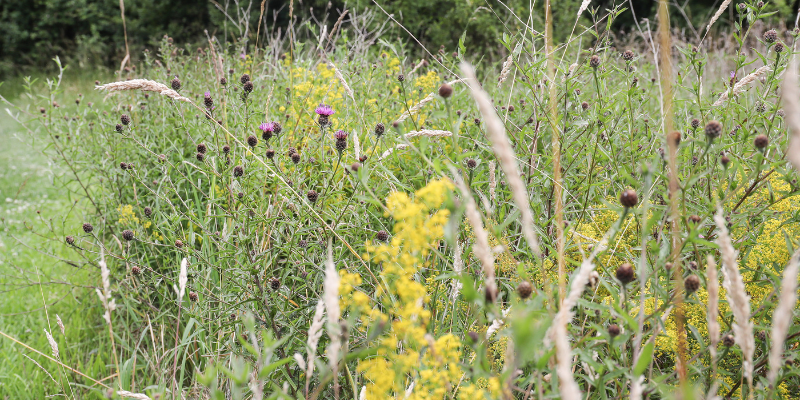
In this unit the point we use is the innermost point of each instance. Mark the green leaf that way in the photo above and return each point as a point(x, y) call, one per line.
point(645, 358)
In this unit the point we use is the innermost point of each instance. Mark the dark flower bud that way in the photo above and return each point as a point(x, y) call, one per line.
point(779, 47)
point(200, 156)
point(274, 284)
point(247, 87)
point(724, 160)
point(770, 36)
point(401, 78)
point(252, 141)
point(176, 84)
point(148, 211)
point(713, 130)
point(201, 148)
point(295, 157)
point(761, 141)
point(692, 283)
point(471, 163)
point(238, 171)
point(625, 273)
point(244, 79)
point(223, 81)
point(136, 271)
point(355, 166)
point(382, 236)
point(594, 62)
point(127, 234)
point(88, 228)
point(445, 90)
point(627, 55)
point(728, 340)
point(695, 123)
point(70, 240)
point(312, 196)
point(302, 243)
point(614, 330)
point(193, 297)
point(668, 266)
point(123, 166)
point(226, 149)
point(125, 119)
point(693, 265)
point(379, 129)
point(629, 198)
point(270, 154)
point(585, 105)
point(524, 289)
point(178, 243)
point(694, 219)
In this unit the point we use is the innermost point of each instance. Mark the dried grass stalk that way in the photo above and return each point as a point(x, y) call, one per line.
point(341, 79)
point(60, 324)
point(428, 133)
point(737, 297)
point(481, 247)
point(130, 395)
point(504, 153)
point(53, 344)
point(314, 334)
point(180, 290)
point(506, 69)
point(330, 297)
point(458, 267)
point(782, 317)
point(389, 152)
point(742, 85)
point(492, 183)
point(584, 6)
point(718, 14)
point(791, 104)
point(356, 145)
point(144, 85)
point(712, 283)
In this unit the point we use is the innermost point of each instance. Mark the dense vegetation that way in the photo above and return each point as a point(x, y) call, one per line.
point(335, 218)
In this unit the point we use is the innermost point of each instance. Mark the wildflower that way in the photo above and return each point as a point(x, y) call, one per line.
point(238, 171)
point(779, 47)
point(761, 107)
point(123, 166)
point(629, 198)
point(223, 81)
point(770, 36)
point(87, 227)
point(252, 141)
point(627, 55)
point(695, 123)
point(176, 84)
point(178, 243)
point(379, 129)
point(207, 100)
point(201, 148)
point(244, 79)
point(200, 156)
point(247, 87)
point(585, 106)
point(136, 271)
point(226, 149)
point(761, 141)
point(193, 296)
point(267, 129)
point(594, 62)
point(728, 340)
point(724, 160)
point(148, 211)
point(692, 283)
point(524, 289)
point(341, 140)
point(70, 240)
point(312, 196)
point(302, 243)
point(471, 163)
point(127, 234)
point(382, 236)
point(270, 154)
point(118, 128)
point(625, 273)
point(401, 78)
point(295, 157)
point(274, 283)
point(614, 330)
point(445, 90)
point(713, 130)
point(324, 111)
point(125, 119)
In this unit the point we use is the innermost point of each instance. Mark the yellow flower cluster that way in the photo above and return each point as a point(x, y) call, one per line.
point(312, 88)
point(406, 351)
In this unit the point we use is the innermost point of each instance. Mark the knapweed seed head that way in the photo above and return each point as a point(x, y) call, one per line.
point(125, 119)
point(771, 36)
point(628, 198)
point(200, 156)
point(691, 283)
point(713, 129)
point(207, 100)
point(238, 171)
point(201, 148)
point(695, 123)
point(445, 90)
point(127, 234)
point(628, 55)
point(87, 227)
point(295, 157)
point(524, 289)
point(270, 154)
point(70, 240)
point(401, 78)
point(594, 61)
point(244, 78)
point(382, 236)
point(585, 106)
point(274, 284)
point(779, 47)
point(248, 87)
point(379, 129)
point(119, 128)
point(614, 330)
point(176, 84)
point(226, 149)
point(312, 196)
point(471, 163)
point(625, 273)
point(193, 297)
point(136, 271)
point(223, 81)
point(148, 212)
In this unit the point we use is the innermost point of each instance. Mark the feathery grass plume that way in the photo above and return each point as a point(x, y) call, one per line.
point(492, 182)
point(340, 77)
point(180, 290)
point(105, 295)
point(506, 69)
point(790, 96)
point(60, 324)
point(718, 14)
point(53, 344)
point(569, 389)
point(356, 145)
point(481, 247)
point(428, 133)
point(737, 297)
point(314, 333)
point(363, 394)
point(782, 317)
point(504, 153)
point(416, 107)
point(712, 286)
point(330, 297)
point(742, 85)
point(497, 324)
point(584, 6)
point(298, 358)
point(458, 267)
point(144, 85)
point(130, 395)
point(389, 152)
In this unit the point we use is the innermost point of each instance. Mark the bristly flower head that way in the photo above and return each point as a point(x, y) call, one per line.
point(207, 100)
point(324, 109)
point(268, 128)
point(340, 135)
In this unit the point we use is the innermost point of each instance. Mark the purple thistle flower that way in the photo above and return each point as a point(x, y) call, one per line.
point(340, 135)
point(325, 110)
point(267, 127)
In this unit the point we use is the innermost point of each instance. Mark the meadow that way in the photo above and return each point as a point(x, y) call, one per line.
point(333, 214)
